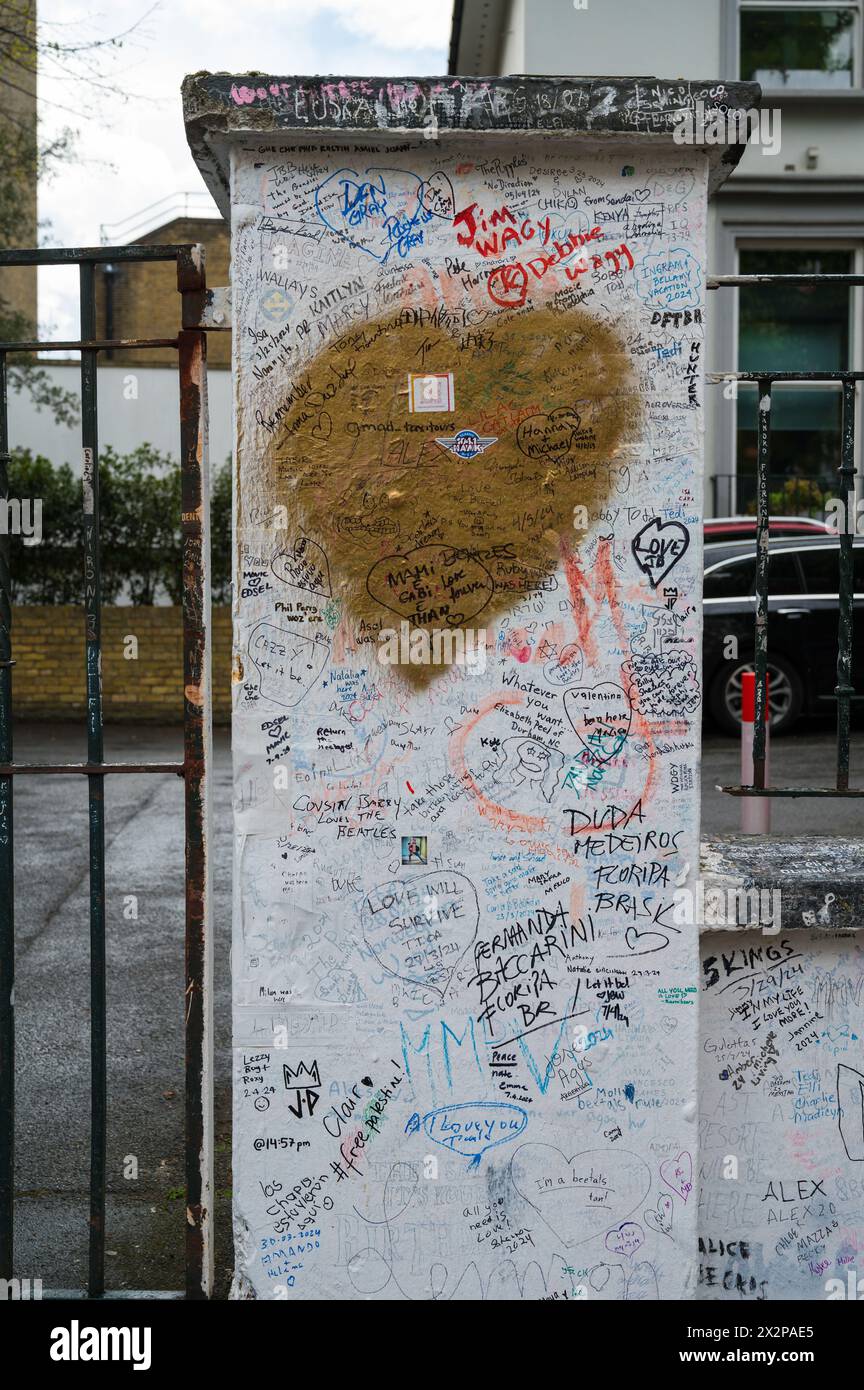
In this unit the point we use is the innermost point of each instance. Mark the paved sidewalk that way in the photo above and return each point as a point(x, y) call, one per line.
point(807, 757)
point(144, 858)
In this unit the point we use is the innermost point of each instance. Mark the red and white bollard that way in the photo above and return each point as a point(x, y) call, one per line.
point(755, 810)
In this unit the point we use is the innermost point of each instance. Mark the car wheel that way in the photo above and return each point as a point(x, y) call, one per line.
point(785, 695)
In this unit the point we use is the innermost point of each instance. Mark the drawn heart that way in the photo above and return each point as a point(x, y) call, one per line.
point(658, 547)
point(323, 427)
point(381, 473)
point(288, 664)
point(576, 1197)
point(677, 1173)
point(565, 667)
point(642, 943)
point(850, 1098)
point(660, 1219)
point(377, 211)
point(438, 198)
point(305, 566)
point(642, 1284)
point(431, 587)
point(549, 435)
point(625, 1239)
point(419, 928)
point(668, 1025)
point(600, 716)
point(640, 194)
point(599, 1277)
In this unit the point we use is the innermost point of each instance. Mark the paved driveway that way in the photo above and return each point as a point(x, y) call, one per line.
point(145, 1214)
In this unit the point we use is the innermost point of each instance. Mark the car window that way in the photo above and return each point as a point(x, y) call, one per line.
point(821, 569)
point(734, 579)
point(784, 576)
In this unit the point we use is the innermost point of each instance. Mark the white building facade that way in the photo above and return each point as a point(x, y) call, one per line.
point(136, 406)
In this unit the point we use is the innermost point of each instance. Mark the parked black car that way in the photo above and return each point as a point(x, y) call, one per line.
point(803, 612)
point(720, 529)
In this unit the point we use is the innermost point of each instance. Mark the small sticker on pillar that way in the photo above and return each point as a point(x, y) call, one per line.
point(414, 849)
point(467, 444)
point(430, 392)
point(89, 483)
point(277, 305)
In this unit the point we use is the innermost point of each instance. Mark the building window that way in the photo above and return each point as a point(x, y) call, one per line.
point(801, 328)
point(800, 46)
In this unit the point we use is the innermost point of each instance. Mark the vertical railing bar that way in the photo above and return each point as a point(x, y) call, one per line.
point(7, 871)
point(197, 741)
point(844, 689)
point(96, 785)
point(761, 626)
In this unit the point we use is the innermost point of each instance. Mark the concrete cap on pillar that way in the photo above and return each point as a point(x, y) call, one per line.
point(219, 106)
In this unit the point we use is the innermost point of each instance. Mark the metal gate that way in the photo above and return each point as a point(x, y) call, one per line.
point(844, 691)
point(190, 344)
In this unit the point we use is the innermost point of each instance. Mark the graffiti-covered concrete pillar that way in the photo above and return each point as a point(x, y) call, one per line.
point(468, 351)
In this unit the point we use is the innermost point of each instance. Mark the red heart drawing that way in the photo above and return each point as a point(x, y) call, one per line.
point(677, 1173)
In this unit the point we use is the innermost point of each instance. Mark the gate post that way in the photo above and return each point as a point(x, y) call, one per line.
point(197, 740)
point(7, 872)
point(468, 361)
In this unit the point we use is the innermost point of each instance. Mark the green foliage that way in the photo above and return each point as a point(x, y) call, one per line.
point(24, 375)
point(798, 496)
point(52, 571)
point(22, 161)
point(141, 535)
point(812, 39)
point(83, 62)
point(220, 533)
point(794, 497)
point(139, 497)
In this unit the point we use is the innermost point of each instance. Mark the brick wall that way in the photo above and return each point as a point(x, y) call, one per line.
point(48, 679)
point(146, 303)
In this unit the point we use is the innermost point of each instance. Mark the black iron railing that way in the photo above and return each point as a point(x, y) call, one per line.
point(190, 344)
point(843, 691)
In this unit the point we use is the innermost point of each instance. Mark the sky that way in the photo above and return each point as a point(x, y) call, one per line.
point(130, 146)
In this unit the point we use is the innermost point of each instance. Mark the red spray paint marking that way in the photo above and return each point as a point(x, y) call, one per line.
point(347, 1157)
point(485, 806)
point(409, 786)
point(519, 645)
point(605, 587)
